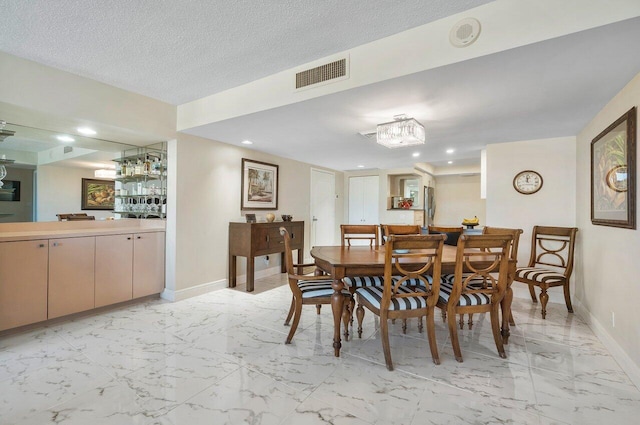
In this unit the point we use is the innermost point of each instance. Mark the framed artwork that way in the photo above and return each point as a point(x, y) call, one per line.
point(251, 218)
point(613, 174)
point(97, 194)
point(10, 191)
point(259, 185)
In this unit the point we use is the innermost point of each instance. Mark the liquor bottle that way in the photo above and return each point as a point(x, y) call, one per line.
point(123, 170)
point(130, 169)
point(146, 167)
point(138, 168)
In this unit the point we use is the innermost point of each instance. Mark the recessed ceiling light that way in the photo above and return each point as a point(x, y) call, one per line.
point(360, 166)
point(65, 138)
point(247, 142)
point(451, 150)
point(415, 154)
point(450, 162)
point(86, 131)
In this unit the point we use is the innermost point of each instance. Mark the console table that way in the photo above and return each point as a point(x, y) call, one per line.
point(251, 240)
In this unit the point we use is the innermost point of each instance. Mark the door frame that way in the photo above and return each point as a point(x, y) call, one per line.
point(311, 238)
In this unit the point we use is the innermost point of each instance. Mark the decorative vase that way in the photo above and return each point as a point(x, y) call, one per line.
point(270, 217)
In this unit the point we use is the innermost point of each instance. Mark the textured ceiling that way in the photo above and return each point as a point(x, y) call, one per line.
point(178, 51)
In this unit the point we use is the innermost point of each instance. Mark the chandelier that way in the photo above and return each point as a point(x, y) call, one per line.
point(401, 132)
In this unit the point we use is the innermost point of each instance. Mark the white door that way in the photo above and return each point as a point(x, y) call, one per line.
point(323, 208)
point(363, 200)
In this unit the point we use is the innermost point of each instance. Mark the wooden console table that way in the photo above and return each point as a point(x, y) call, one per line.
point(251, 240)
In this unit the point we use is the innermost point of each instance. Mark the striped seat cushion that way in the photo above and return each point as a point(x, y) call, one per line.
point(317, 288)
point(465, 299)
point(539, 275)
point(369, 281)
point(373, 295)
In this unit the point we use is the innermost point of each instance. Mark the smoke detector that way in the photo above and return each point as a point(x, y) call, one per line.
point(465, 32)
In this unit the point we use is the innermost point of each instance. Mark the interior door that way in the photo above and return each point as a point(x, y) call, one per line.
point(323, 208)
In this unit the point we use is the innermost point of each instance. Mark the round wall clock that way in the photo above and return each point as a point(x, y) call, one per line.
point(527, 182)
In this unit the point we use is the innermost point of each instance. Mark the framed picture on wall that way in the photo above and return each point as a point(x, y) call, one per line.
point(613, 174)
point(97, 194)
point(10, 191)
point(259, 185)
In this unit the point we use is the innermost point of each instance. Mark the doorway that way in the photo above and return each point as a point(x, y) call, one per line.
point(323, 208)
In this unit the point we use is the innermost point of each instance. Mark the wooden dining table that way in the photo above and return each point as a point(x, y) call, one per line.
point(350, 261)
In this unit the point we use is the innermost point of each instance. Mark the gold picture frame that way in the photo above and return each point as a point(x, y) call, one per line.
point(613, 174)
point(97, 194)
point(259, 189)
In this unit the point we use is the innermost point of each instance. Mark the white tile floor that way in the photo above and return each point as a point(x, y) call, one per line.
point(220, 359)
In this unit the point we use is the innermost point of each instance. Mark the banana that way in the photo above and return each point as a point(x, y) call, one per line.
point(473, 220)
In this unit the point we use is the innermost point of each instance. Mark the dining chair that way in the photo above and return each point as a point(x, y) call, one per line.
point(461, 298)
point(65, 217)
point(84, 217)
point(400, 299)
point(307, 289)
point(550, 264)
point(399, 229)
point(452, 232)
point(480, 282)
point(366, 232)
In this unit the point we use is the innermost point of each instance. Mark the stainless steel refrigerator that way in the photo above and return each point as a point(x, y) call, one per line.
point(429, 205)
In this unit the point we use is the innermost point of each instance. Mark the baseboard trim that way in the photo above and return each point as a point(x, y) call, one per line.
point(623, 359)
point(193, 291)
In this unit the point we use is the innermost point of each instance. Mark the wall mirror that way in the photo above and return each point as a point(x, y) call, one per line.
point(405, 191)
point(47, 168)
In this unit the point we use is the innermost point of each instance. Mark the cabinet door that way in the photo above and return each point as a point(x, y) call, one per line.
point(370, 200)
point(148, 264)
point(356, 185)
point(114, 269)
point(23, 283)
point(71, 275)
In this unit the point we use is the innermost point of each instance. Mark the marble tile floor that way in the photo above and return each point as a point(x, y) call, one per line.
point(220, 358)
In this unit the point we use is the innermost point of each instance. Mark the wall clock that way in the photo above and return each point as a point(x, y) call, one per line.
point(527, 182)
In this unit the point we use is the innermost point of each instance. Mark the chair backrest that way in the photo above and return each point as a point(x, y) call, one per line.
point(515, 234)
point(553, 246)
point(74, 217)
point(399, 229)
point(452, 232)
point(486, 248)
point(63, 217)
point(351, 232)
point(424, 253)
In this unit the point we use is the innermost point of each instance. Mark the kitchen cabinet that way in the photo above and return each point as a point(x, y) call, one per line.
point(23, 282)
point(114, 269)
point(364, 195)
point(71, 275)
point(148, 263)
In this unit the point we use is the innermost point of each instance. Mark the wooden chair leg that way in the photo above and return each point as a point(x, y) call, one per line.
point(296, 319)
point(544, 298)
point(352, 308)
point(453, 332)
point(360, 317)
point(431, 336)
point(511, 321)
point(404, 326)
point(533, 293)
point(461, 321)
point(318, 307)
point(420, 325)
point(444, 315)
point(290, 315)
point(567, 297)
point(470, 321)
point(384, 335)
point(495, 328)
point(346, 316)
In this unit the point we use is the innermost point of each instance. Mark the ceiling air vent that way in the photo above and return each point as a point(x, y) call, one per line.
point(322, 73)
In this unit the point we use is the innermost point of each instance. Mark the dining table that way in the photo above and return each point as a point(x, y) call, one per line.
point(350, 261)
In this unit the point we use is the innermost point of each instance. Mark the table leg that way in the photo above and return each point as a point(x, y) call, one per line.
point(232, 271)
point(506, 302)
point(337, 305)
point(250, 273)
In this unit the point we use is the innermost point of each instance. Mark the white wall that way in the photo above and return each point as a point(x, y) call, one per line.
point(59, 190)
point(553, 205)
point(607, 266)
point(458, 197)
point(208, 198)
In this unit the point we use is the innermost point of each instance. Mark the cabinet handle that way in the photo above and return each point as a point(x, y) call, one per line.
point(138, 237)
point(293, 235)
point(55, 244)
point(129, 238)
point(267, 238)
point(41, 245)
